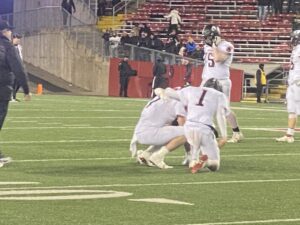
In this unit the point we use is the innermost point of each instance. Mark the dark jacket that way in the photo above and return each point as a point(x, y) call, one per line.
point(156, 43)
point(11, 67)
point(159, 69)
point(125, 69)
point(263, 2)
point(68, 6)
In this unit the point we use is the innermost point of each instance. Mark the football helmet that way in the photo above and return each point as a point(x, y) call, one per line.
point(295, 37)
point(211, 34)
point(213, 83)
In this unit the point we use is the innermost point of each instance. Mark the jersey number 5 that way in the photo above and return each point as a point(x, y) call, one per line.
point(200, 103)
point(210, 58)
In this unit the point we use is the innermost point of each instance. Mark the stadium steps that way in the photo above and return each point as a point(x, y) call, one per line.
point(107, 22)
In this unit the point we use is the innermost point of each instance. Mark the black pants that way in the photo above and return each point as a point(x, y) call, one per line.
point(16, 87)
point(3, 111)
point(173, 27)
point(259, 90)
point(278, 6)
point(123, 86)
point(101, 10)
point(66, 18)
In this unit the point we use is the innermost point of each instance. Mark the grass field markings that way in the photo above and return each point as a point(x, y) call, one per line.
point(249, 222)
point(76, 110)
point(23, 121)
point(160, 184)
point(16, 182)
point(64, 141)
point(258, 109)
point(73, 117)
point(170, 157)
point(77, 125)
point(161, 201)
point(72, 194)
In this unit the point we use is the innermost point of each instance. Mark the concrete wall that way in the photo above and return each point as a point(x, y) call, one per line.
point(83, 13)
point(55, 53)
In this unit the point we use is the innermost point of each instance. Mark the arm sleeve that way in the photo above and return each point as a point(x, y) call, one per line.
point(17, 68)
point(180, 110)
point(222, 112)
point(73, 5)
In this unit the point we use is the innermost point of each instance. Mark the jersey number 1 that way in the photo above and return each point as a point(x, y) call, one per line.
point(200, 103)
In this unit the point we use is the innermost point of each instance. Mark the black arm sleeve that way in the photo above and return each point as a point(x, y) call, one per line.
point(17, 68)
point(258, 77)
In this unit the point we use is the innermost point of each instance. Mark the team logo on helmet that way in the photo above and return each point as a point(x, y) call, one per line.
point(210, 32)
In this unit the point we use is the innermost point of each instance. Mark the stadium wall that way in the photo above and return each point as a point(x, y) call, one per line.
point(140, 86)
point(59, 55)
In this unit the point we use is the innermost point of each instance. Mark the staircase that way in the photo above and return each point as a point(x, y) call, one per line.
point(107, 22)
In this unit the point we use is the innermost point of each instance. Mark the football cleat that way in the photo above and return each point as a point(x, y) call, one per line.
point(200, 164)
point(288, 139)
point(236, 137)
point(143, 158)
point(4, 160)
point(158, 160)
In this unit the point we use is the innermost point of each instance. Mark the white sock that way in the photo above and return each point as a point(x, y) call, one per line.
point(290, 131)
point(163, 151)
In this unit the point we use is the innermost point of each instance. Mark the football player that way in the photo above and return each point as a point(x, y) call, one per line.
point(203, 104)
point(154, 128)
point(218, 55)
point(293, 91)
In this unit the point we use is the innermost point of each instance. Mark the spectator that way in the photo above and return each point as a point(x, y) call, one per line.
point(144, 55)
point(125, 40)
point(290, 5)
point(114, 44)
point(69, 8)
point(198, 53)
point(181, 47)
point(262, 9)
point(261, 82)
point(16, 41)
point(159, 70)
point(155, 43)
point(277, 4)
point(170, 47)
point(101, 8)
point(144, 29)
point(190, 46)
point(125, 72)
point(175, 20)
point(136, 30)
point(106, 43)
point(133, 38)
point(10, 67)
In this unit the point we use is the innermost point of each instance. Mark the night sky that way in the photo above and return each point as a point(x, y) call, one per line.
point(6, 6)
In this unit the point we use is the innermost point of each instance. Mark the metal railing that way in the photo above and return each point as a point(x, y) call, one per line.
point(49, 17)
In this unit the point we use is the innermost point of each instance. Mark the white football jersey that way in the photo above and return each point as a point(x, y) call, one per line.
point(160, 113)
point(202, 104)
point(218, 70)
point(294, 73)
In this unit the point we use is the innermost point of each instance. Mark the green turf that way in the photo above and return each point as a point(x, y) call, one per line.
point(87, 140)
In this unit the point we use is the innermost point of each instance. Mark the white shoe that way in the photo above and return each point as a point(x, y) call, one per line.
point(4, 160)
point(158, 160)
point(236, 137)
point(143, 158)
point(288, 139)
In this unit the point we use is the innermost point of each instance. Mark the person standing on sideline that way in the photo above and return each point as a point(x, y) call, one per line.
point(68, 8)
point(218, 56)
point(261, 82)
point(293, 91)
point(10, 67)
point(159, 70)
point(16, 40)
point(125, 72)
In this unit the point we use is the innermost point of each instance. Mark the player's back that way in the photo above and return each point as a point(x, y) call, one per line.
point(218, 70)
point(294, 73)
point(159, 113)
point(202, 104)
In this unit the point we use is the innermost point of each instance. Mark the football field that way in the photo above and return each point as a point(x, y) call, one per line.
point(72, 166)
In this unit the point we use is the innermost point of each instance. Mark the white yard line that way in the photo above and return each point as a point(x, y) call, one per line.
point(259, 109)
point(162, 184)
point(64, 141)
point(250, 222)
point(74, 117)
point(14, 183)
point(76, 110)
point(129, 158)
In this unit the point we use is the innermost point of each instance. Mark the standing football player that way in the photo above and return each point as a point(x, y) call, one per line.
point(218, 55)
point(293, 91)
point(154, 128)
point(203, 104)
